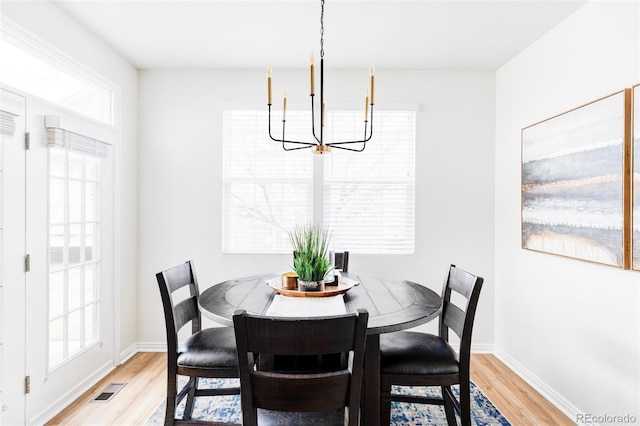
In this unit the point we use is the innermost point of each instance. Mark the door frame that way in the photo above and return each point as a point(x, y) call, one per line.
point(53, 389)
point(12, 259)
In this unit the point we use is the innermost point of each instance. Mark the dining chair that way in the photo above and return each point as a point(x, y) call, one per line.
point(409, 358)
point(209, 352)
point(342, 261)
point(311, 391)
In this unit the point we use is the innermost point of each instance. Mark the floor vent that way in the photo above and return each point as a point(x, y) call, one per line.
point(108, 392)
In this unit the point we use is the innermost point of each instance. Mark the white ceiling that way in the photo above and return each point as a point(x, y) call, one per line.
point(392, 34)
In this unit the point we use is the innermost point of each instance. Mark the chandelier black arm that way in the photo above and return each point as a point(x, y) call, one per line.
point(351, 149)
point(363, 141)
point(348, 142)
point(307, 145)
point(283, 140)
point(337, 145)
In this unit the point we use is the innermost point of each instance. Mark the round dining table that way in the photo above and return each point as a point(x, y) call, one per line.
point(393, 304)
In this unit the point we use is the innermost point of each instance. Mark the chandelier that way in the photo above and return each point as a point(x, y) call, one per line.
point(319, 146)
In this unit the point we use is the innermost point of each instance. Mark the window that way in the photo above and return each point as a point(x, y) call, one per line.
point(74, 255)
point(75, 231)
point(24, 67)
point(368, 198)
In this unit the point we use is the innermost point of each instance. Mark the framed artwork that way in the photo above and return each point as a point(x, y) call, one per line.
point(636, 178)
point(576, 185)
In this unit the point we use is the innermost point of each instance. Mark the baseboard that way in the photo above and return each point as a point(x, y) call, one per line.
point(142, 347)
point(76, 392)
point(128, 353)
point(482, 348)
point(570, 410)
point(151, 347)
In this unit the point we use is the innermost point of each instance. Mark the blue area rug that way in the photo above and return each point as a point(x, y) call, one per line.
point(227, 409)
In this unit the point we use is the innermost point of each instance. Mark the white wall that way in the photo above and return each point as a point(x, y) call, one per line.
point(48, 23)
point(570, 327)
point(180, 126)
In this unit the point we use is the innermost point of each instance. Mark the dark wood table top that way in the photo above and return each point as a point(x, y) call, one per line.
point(393, 304)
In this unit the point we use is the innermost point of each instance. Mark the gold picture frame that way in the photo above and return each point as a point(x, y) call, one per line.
point(576, 182)
point(634, 198)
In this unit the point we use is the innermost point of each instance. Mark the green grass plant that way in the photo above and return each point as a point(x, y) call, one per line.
point(310, 244)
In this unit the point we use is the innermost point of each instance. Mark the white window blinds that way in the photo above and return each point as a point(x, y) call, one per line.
point(369, 197)
point(62, 138)
point(267, 191)
point(7, 123)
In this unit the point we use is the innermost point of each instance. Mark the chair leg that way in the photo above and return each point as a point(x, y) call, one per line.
point(449, 405)
point(188, 408)
point(255, 417)
point(465, 403)
point(249, 416)
point(385, 400)
point(170, 409)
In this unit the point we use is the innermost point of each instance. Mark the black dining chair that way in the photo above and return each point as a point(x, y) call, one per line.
point(409, 358)
point(333, 393)
point(342, 261)
point(209, 352)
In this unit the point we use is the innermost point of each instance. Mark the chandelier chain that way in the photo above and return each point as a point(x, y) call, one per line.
point(322, 30)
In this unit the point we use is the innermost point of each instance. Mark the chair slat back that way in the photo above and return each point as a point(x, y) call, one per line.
point(459, 318)
point(311, 335)
point(179, 312)
point(179, 276)
point(185, 311)
point(317, 392)
point(454, 318)
point(306, 390)
point(461, 281)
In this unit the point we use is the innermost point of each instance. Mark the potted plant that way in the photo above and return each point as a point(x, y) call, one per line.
point(310, 244)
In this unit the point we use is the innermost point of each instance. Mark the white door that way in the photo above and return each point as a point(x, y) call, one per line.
point(70, 285)
point(12, 252)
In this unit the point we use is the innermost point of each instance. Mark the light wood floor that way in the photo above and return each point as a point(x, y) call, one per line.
point(145, 375)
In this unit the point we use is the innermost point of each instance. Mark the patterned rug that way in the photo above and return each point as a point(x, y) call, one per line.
point(227, 409)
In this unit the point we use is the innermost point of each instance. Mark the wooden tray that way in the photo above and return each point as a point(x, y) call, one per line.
point(344, 285)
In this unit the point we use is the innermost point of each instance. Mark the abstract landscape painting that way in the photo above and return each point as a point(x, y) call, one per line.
point(573, 183)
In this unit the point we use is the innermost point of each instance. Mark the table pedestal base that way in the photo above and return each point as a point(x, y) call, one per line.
point(370, 401)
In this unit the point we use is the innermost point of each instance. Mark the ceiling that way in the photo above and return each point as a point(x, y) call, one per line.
point(392, 34)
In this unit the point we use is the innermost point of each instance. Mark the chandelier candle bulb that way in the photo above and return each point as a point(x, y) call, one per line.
point(269, 85)
point(312, 66)
point(372, 71)
point(284, 105)
point(366, 105)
